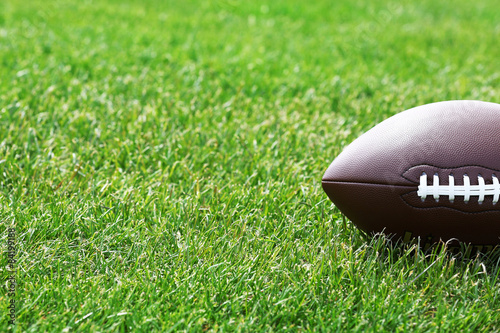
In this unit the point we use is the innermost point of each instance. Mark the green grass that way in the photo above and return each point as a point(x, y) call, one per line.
point(161, 163)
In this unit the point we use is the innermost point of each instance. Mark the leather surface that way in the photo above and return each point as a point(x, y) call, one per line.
point(445, 134)
point(375, 179)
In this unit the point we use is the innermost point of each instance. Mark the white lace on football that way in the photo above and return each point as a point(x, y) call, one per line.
point(466, 190)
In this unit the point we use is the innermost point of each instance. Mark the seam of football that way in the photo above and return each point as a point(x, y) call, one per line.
point(442, 168)
point(366, 183)
point(445, 207)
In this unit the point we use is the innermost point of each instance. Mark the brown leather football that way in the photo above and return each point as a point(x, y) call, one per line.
point(430, 172)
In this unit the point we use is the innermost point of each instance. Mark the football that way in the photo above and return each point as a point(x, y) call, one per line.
point(430, 173)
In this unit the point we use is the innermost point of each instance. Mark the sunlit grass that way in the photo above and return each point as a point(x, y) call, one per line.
point(161, 162)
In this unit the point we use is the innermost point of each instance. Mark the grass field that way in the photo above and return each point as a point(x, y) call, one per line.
point(161, 163)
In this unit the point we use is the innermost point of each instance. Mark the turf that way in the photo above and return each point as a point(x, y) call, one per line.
point(161, 163)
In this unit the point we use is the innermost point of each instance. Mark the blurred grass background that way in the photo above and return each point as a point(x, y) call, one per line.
point(161, 162)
